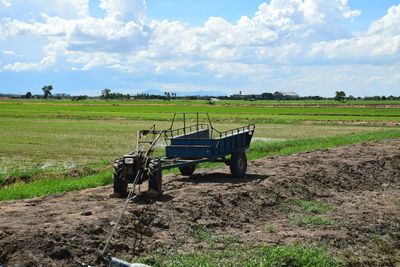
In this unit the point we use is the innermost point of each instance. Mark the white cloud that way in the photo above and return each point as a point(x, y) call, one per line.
point(277, 34)
point(84, 34)
point(32, 9)
point(28, 66)
point(389, 24)
point(8, 52)
point(125, 10)
point(6, 3)
point(380, 44)
point(280, 32)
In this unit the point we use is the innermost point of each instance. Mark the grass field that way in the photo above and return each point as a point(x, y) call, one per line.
point(226, 111)
point(43, 142)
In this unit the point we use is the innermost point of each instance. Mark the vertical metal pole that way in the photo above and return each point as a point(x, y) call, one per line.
point(184, 124)
point(197, 126)
point(172, 124)
point(209, 122)
point(137, 140)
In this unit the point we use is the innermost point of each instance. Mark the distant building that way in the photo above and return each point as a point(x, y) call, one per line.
point(278, 95)
point(288, 94)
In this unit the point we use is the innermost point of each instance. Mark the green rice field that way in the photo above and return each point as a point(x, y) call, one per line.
point(46, 141)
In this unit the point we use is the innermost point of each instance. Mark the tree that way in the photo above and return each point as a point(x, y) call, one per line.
point(28, 95)
point(47, 91)
point(105, 93)
point(340, 96)
point(167, 96)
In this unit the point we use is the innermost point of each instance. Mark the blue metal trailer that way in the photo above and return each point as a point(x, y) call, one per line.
point(185, 147)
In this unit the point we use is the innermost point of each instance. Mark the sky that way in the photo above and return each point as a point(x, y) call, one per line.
point(312, 47)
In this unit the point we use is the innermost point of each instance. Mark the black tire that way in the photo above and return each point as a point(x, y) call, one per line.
point(155, 176)
point(120, 185)
point(238, 164)
point(187, 170)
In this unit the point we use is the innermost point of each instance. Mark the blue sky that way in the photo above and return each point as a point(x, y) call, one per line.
point(313, 47)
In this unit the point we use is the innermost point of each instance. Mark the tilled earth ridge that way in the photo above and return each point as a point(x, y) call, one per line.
point(361, 183)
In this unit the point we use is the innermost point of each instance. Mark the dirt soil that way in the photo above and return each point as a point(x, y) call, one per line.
point(360, 182)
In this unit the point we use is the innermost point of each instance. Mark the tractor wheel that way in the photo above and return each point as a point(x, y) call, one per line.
point(187, 170)
point(155, 176)
point(120, 185)
point(238, 164)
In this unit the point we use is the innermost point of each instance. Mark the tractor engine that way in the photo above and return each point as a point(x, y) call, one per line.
point(132, 165)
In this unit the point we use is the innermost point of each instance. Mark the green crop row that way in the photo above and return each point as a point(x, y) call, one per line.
point(217, 103)
point(218, 114)
point(108, 109)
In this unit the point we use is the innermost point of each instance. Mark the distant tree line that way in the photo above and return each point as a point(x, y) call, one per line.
point(341, 96)
point(107, 94)
point(271, 96)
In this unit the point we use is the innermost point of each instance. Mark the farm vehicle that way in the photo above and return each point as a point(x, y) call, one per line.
point(185, 148)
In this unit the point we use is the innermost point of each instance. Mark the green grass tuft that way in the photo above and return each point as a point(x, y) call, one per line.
point(227, 251)
point(309, 220)
point(297, 255)
point(307, 212)
point(53, 186)
point(200, 233)
point(239, 255)
point(312, 206)
point(271, 228)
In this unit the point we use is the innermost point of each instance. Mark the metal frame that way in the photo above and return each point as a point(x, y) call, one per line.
point(197, 125)
point(222, 140)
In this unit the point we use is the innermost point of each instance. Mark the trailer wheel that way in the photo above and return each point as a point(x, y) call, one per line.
point(238, 164)
point(155, 176)
point(187, 170)
point(120, 185)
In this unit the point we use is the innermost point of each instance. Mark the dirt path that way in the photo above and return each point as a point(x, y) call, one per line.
point(361, 183)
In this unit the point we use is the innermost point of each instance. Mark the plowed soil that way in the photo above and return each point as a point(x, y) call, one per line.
point(361, 183)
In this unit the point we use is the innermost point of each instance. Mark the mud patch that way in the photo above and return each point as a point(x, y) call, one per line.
point(359, 183)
